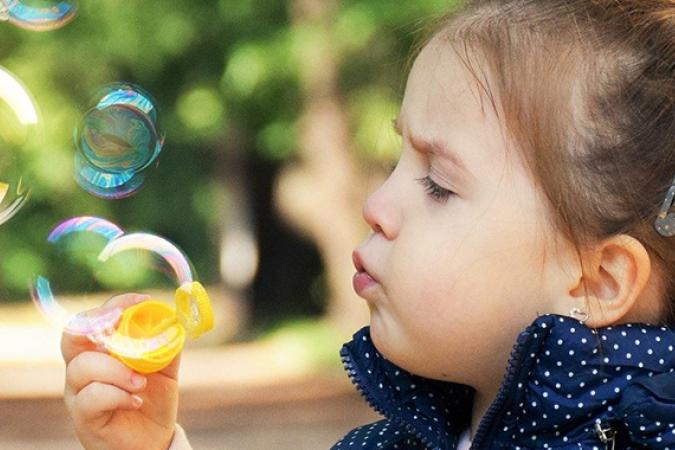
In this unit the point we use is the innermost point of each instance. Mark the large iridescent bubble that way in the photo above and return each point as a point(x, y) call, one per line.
point(99, 258)
point(18, 126)
point(37, 16)
point(118, 139)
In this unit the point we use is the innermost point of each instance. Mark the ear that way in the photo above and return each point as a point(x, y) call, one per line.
point(615, 275)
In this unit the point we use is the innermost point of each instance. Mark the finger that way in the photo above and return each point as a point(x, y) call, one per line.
point(171, 370)
point(73, 344)
point(99, 398)
point(88, 367)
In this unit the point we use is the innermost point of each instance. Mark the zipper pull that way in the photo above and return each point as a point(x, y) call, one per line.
point(606, 435)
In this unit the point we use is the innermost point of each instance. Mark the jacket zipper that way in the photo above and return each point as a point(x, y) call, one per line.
point(356, 380)
point(491, 418)
point(488, 424)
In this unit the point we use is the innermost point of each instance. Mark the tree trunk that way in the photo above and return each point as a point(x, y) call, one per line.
point(322, 193)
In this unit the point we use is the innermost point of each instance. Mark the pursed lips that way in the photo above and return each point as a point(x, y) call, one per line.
point(359, 264)
point(362, 279)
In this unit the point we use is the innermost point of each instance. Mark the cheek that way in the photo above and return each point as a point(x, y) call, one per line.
point(467, 282)
point(428, 289)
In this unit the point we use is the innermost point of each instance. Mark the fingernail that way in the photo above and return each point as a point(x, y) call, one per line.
point(136, 401)
point(137, 380)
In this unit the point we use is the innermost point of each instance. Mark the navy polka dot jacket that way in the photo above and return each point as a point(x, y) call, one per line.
point(566, 387)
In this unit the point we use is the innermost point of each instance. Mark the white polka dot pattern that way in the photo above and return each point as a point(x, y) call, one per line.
point(562, 379)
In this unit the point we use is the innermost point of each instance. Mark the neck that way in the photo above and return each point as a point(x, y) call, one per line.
point(486, 382)
point(481, 402)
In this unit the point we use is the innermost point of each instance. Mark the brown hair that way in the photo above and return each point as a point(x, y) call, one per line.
point(587, 92)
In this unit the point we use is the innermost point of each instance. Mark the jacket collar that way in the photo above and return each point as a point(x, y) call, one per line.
point(563, 378)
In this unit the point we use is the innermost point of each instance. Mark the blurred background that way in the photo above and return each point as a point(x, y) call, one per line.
point(277, 117)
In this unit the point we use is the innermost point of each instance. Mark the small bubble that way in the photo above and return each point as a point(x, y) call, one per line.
point(118, 139)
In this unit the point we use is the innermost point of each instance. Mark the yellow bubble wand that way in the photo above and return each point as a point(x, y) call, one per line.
point(156, 331)
point(193, 316)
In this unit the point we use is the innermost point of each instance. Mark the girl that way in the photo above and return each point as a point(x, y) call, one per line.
point(530, 205)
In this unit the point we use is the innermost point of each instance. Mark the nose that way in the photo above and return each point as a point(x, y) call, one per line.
point(381, 211)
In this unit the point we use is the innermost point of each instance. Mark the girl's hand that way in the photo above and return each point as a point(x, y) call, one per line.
point(112, 406)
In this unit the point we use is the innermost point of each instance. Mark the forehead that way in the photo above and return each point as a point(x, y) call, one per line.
point(440, 88)
point(444, 102)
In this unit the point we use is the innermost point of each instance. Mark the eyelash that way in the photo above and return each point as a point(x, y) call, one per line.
point(434, 190)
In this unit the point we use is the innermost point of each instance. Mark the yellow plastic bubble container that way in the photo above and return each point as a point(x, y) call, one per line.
point(151, 334)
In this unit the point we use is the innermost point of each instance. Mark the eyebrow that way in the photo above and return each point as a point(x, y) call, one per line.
point(436, 147)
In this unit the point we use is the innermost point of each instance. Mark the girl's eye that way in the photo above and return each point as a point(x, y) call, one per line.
point(434, 190)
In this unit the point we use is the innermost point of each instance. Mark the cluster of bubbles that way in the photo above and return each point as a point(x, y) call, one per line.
point(118, 138)
point(97, 249)
point(36, 18)
point(18, 112)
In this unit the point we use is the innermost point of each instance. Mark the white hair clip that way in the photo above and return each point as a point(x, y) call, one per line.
point(665, 221)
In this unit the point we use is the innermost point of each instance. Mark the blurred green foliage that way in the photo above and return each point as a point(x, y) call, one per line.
point(218, 69)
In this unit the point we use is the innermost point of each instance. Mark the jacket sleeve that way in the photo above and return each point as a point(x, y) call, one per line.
point(180, 441)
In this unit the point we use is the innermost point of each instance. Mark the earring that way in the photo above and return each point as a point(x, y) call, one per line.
point(581, 316)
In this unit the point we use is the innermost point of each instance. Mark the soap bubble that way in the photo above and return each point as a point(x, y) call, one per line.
point(118, 138)
point(76, 244)
point(95, 257)
point(18, 125)
point(37, 15)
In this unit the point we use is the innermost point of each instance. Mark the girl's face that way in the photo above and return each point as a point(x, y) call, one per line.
point(457, 254)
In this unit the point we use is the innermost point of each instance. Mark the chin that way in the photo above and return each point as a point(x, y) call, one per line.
point(388, 344)
point(393, 346)
point(378, 333)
